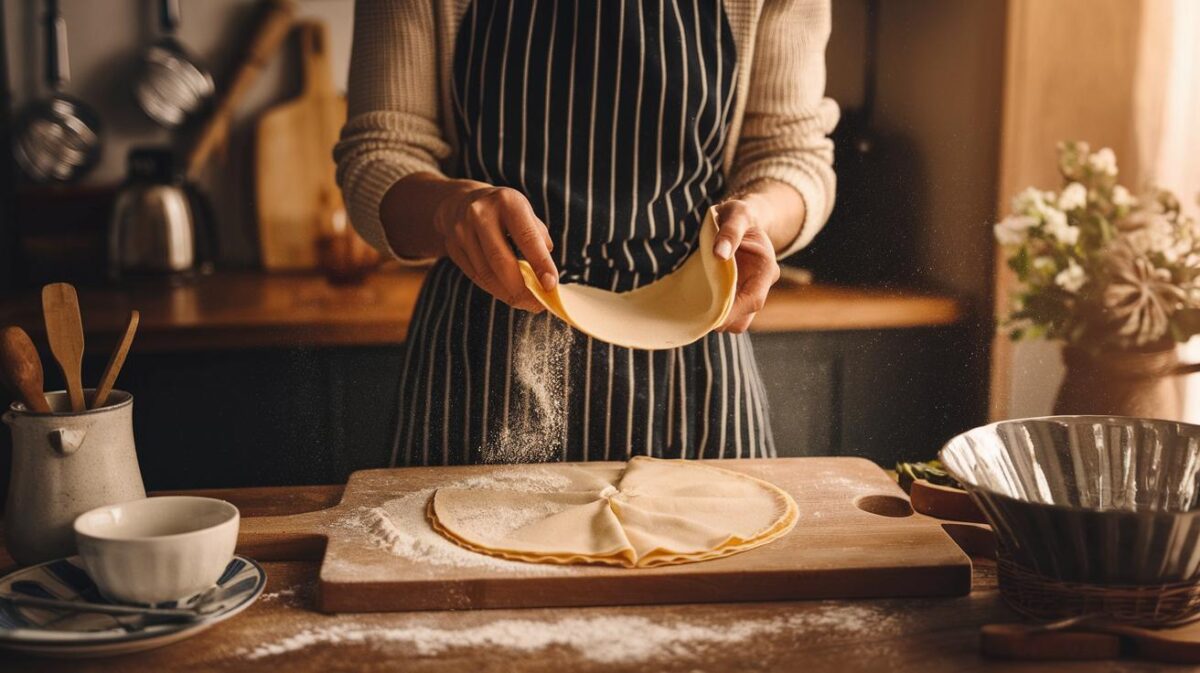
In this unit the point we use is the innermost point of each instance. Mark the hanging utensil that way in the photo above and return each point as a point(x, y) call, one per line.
point(22, 369)
point(273, 25)
point(64, 331)
point(57, 138)
point(115, 362)
point(171, 87)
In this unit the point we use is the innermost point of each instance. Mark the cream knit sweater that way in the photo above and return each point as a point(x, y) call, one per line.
point(400, 122)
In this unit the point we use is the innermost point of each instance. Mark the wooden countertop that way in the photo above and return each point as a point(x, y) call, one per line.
point(251, 309)
point(282, 632)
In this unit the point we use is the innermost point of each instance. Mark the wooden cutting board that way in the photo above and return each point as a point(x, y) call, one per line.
point(856, 536)
point(294, 169)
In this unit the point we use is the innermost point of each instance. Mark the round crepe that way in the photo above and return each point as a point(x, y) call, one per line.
point(674, 310)
point(651, 513)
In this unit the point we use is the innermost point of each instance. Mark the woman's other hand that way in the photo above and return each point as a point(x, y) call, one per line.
point(476, 224)
point(743, 237)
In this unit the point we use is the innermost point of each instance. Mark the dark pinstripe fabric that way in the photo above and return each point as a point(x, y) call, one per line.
point(610, 116)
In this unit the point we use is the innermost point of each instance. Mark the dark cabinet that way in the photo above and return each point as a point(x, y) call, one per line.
point(886, 395)
point(313, 415)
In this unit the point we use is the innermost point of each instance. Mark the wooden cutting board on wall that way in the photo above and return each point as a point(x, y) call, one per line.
point(294, 169)
point(856, 537)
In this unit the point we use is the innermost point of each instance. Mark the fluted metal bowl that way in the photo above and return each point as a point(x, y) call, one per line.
point(1097, 499)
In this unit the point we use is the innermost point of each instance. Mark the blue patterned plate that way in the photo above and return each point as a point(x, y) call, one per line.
point(74, 634)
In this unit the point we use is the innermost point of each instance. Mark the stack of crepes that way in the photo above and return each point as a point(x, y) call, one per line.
point(645, 513)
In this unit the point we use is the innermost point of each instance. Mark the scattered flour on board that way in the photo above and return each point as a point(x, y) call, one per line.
point(534, 431)
point(603, 639)
point(401, 526)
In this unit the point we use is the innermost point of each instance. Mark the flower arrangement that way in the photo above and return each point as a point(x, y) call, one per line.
point(1098, 267)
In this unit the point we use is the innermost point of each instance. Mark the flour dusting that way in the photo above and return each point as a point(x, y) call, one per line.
point(401, 526)
point(534, 429)
point(496, 521)
point(601, 638)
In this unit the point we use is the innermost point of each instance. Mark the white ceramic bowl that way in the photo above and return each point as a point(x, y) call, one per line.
point(157, 550)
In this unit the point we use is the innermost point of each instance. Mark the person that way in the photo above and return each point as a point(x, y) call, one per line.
point(588, 137)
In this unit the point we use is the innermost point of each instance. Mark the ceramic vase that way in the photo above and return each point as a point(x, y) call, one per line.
point(1122, 383)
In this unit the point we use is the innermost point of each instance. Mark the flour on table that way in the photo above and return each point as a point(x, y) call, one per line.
point(600, 638)
point(401, 526)
point(276, 595)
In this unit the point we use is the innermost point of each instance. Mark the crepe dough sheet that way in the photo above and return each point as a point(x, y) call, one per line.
point(675, 310)
point(650, 512)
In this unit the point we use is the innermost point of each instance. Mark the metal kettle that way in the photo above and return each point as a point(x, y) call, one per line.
point(159, 224)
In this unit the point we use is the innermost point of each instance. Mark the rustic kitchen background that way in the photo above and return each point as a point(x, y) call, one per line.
point(246, 377)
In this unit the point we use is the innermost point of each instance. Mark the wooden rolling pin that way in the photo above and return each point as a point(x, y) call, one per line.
point(272, 28)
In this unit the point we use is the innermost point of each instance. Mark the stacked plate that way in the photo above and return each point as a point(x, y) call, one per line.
point(67, 632)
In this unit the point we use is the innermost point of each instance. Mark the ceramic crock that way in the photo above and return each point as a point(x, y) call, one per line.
point(64, 464)
point(1123, 383)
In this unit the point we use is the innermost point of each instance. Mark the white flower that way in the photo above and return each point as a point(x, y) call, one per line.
point(1030, 201)
point(1103, 161)
point(1013, 229)
point(1045, 265)
point(1121, 197)
point(1067, 235)
point(1148, 233)
point(1071, 278)
point(1058, 228)
point(1072, 197)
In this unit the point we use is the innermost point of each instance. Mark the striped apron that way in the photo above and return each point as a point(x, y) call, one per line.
point(611, 117)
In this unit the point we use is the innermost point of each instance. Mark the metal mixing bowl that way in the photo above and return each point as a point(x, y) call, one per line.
point(1097, 499)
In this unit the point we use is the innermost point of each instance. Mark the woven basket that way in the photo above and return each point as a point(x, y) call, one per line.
point(1047, 599)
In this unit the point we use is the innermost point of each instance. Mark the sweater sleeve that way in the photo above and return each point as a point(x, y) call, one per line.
point(392, 109)
point(785, 131)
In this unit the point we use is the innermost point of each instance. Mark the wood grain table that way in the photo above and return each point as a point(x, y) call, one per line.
point(283, 632)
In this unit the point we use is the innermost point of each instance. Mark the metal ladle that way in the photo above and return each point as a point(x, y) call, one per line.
point(58, 138)
point(171, 87)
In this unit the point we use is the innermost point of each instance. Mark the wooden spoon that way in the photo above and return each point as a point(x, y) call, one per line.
point(115, 362)
point(64, 330)
point(22, 369)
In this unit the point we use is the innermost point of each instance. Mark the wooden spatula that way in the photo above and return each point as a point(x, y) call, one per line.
point(22, 369)
point(64, 330)
point(115, 362)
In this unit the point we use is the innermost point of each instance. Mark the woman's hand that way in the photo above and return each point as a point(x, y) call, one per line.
point(476, 224)
point(744, 237)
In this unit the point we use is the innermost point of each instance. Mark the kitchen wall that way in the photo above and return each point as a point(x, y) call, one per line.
point(925, 200)
point(105, 39)
point(938, 87)
point(917, 207)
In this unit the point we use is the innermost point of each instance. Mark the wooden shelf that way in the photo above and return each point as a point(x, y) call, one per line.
point(231, 310)
point(806, 308)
